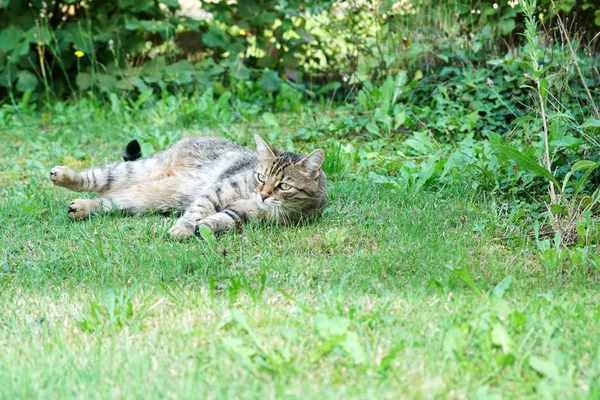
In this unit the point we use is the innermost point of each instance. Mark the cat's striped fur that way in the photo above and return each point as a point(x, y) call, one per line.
point(211, 181)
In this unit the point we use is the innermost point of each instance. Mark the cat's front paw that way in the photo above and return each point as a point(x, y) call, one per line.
point(181, 230)
point(63, 176)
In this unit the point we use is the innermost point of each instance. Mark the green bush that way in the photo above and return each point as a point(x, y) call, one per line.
point(128, 46)
point(40, 41)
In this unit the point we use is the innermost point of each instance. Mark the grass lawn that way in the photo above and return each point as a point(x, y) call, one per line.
point(389, 295)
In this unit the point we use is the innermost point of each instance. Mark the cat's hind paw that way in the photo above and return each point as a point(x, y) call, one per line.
point(63, 176)
point(82, 208)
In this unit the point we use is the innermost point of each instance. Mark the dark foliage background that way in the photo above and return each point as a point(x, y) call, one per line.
point(131, 46)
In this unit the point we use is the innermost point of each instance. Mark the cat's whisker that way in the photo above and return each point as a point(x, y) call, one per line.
point(284, 216)
point(291, 208)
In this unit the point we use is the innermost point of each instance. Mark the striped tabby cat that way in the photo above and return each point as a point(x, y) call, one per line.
point(211, 181)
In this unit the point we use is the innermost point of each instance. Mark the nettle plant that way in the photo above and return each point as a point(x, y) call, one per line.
point(568, 204)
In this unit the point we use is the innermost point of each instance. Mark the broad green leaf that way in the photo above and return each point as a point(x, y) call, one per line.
point(454, 342)
point(353, 347)
point(270, 119)
point(10, 38)
point(307, 37)
point(268, 61)
point(544, 87)
point(544, 367)
point(399, 119)
point(136, 5)
point(181, 72)
point(180, 66)
point(566, 141)
point(132, 23)
point(541, 72)
point(582, 180)
point(84, 80)
point(484, 393)
point(237, 347)
point(494, 138)
point(436, 284)
point(153, 26)
point(401, 80)
point(204, 79)
point(329, 87)
point(170, 3)
point(464, 276)
point(26, 81)
point(326, 347)
point(330, 327)
point(595, 260)
point(142, 98)
point(558, 209)
point(372, 128)
point(241, 319)
point(560, 115)
point(500, 337)
point(591, 123)
point(578, 166)
point(507, 26)
point(241, 73)
point(522, 119)
point(387, 90)
point(83, 42)
point(235, 68)
point(215, 37)
point(206, 234)
point(502, 286)
point(140, 84)
point(290, 61)
point(525, 162)
point(106, 82)
point(335, 237)
point(420, 143)
point(500, 307)
point(270, 80)
point(517, 319)
point(386, 361)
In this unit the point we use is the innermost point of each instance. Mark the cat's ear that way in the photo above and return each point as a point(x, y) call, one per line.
point(313, 161)
point(264, 149)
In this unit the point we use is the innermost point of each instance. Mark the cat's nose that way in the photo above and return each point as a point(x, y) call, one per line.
point(264, 196)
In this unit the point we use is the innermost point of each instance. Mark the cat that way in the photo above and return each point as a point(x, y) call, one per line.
point(210, 181)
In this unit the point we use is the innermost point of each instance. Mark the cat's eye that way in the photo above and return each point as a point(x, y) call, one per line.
point(285, 186)
point(261, 177)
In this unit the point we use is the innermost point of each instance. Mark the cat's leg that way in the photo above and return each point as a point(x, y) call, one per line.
point(207, 204)
point(83, 208)
point(232, 216)
point(154, 196)
point(96, 180)
point(113, 176)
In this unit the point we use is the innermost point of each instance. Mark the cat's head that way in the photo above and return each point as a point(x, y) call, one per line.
point(287, 180)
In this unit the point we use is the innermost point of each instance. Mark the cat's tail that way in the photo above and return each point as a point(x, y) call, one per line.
point(133, 151)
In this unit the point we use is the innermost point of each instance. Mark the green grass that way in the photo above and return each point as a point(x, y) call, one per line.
point(391, 294)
